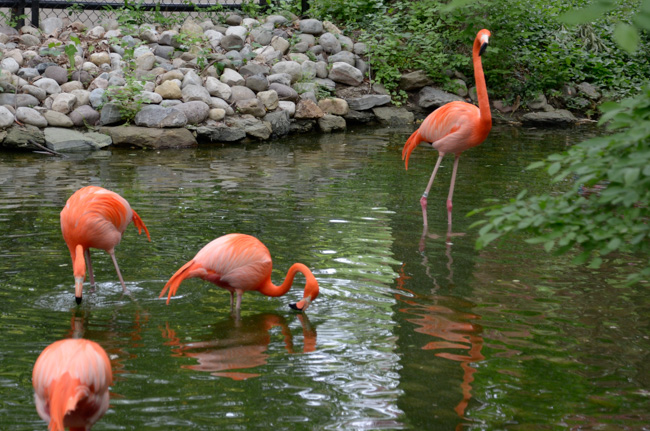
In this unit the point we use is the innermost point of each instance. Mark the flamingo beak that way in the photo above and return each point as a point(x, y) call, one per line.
point(301, 305)
point(78, 289)
point(485, 40)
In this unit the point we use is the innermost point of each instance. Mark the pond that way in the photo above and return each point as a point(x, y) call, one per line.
point(409, 331)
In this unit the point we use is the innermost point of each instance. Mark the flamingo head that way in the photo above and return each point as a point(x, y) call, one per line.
point(311, 293)
point(79, 270)
point(483, 38)
point(78, 289)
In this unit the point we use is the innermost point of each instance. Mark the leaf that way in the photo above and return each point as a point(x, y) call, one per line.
point(595, 263)
point(554, 168)
point(631, 175)
point(536, 165)
point(627, 37)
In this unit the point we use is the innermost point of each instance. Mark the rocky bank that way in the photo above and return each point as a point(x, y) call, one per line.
point(66, 87)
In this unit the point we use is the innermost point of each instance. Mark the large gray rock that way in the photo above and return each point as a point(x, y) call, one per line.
point(19, 137)
point(284, 92)
point(393, 116)
point(51, 25)
point(344, 56)
point(311, 26)
point(49, 85)
point(196, 112)
point(196, 92)
point(331, 123)
point(368, 101)
point(30, 116)
point(254, 68)
point(231, 77)
point(220, 133)
point(330, 43)
point(110, 114)
point(307, 109)
point(253, 127)
point(432, 97)
point(257, 83)
point(557, 118)
point(157, 116)
point(345, 74)
point(414, 80)
point(588, 90)
point(292, 68)
point(33, 90)
point(232, 41)
point(57, 119)
point(279, 121)
point(251, 106)
point(359, 116)
point(18, 99)
point(144, 137)
point(7, 118)
point(261, 35)
point(280, 78)
point(57, 73)
point(61, 140)
point(217, 88)
point(84, 116)
point(240, 92)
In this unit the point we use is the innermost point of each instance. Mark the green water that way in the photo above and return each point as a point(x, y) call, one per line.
point(407, 333)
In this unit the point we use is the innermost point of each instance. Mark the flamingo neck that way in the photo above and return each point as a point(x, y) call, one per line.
point(78, 262)
point(481, 87)
point(270, 289)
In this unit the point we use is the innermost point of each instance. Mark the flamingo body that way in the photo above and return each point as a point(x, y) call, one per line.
point(456, 126)
point(71, 379)
point(240, 263)
point(94, 217)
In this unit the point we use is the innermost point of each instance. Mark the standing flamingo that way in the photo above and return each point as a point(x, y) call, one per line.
point(71, 379)
point(455, 127)
point(95, 217)
point(237, 263)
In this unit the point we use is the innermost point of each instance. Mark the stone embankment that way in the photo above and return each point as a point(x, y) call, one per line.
point(66, 87)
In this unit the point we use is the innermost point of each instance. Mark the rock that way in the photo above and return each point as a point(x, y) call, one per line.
point(393, 116)
point(559, 117)
point(251, 106)
point(329, 26)
point(276, 20)
point(539, 103)
point(588, 90)
point(51, 25)
point(500, 106)
point(220, 133)
point(30, 40)
point(149, 97)
point(261, 35)
point(64, 102)
point(57, 73)
point(257, 83)
point(302, 126)
point(306, 109)
point(269, 99)
point(33, 90)
point(291, 68)
point(157, 116)
point(359, 116)
point(110, 114)
point(460, 87)
point(330, 43)
point(231, 77)
point(217, 114)
point(334, 106)
point(287, 106)
point(345, 74)
point(280, 78)
point(30, 116)
point(253, 68)
point(284, 92)
point(62, 140)
point(18, 99)
point(144, 137)
point(97, 97)
point(279, 121)
point(232, 41)
point(233, 19)
point(280, 44)
point(169, 90)
point(19, 137)
point(84, 116)
point(146, 61)
point(222, 104)
point(192, 28)
point(253, 127)
point(196, 112)
point(344, 56)
point(28, 73)
point(367, 101)
point(346, 43)
point(217, 88)
point(6, 117)
point(10, 65)
point(172, 75)
point(99, 58)
point(310, 26)
point(414, 80)
point(191, 78)
point(71, 86)
point(432, 97)
point(241, 93)
point(330, 123)
point(360, 48)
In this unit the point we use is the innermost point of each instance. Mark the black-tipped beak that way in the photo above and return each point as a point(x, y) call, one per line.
point(295, 307)
point(77, 299)
point(483, 48)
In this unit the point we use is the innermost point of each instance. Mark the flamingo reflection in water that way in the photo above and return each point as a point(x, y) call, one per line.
point(452, 328)
point(239, 344)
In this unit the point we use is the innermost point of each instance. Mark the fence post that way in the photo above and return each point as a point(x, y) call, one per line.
point(18, 13)
point(304, 5)
point(35, 9)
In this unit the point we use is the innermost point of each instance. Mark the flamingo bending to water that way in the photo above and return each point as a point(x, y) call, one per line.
point(455, 127)
point(238, 263)
point(95, 217)
point(71, 379)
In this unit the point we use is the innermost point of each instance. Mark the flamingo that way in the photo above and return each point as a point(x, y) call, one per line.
point(95, 217)
point(71, 379)
point(237, 263)
point(455, 127)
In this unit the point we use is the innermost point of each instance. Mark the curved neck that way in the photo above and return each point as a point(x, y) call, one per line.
point(481, 88)
point(269, 289)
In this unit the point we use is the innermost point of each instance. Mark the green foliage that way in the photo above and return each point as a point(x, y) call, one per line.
point(606, 207)
point(10, 19)
point(197, 45)
point(128, 97)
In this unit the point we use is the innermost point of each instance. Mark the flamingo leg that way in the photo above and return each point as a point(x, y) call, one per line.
point(451, 193)
point(423, 199)
point(239, 295)
point(232, 299)
point(117, 268)
point(90, 267)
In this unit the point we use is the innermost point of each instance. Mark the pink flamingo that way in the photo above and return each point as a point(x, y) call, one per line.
point(455, 127)
point(95, 217)
point(71, 379)
point(239, 263)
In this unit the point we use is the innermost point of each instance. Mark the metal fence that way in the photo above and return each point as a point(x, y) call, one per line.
point(20, 12)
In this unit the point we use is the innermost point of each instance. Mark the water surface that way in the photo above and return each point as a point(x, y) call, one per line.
point(408, 332)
